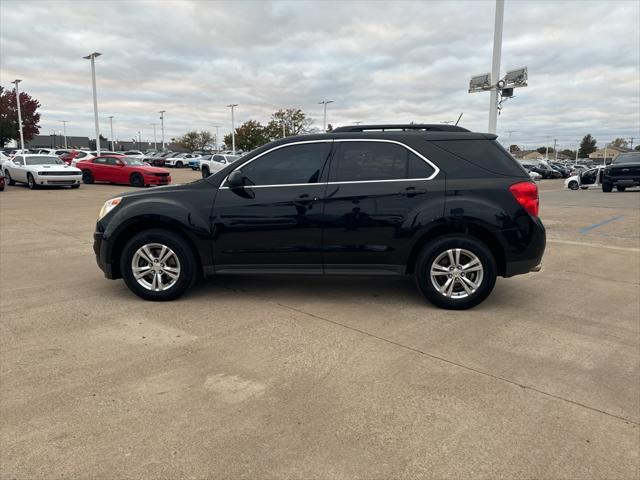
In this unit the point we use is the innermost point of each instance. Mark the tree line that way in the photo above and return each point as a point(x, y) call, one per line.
point(587, 145)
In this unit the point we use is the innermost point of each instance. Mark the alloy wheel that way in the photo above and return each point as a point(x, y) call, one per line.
point(155, 267)
point(456, 273)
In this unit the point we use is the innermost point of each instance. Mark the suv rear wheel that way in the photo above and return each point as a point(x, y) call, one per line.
point(455, 272)
point(158, 265)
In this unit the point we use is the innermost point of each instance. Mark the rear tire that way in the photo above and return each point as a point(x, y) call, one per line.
point(136, 180)
point(31, 183)
point(607, 187)
point(574, 185)
point(87, 177)
point(181, 259)
point(7, 176)
point(620, 188)
point(455, 289)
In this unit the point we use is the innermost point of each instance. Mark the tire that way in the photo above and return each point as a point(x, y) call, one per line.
point(470, 250)
point(205, 171)
point(607, 187)
point(136, 180)
point(180, 251)
point(620, 188)
point(31, 183)
point(87, 177)
point(573, 185)
point(7, 176)
point(178, 164)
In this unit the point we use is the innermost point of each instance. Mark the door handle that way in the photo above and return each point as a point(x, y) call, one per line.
point(411, 192)
point(305, 200)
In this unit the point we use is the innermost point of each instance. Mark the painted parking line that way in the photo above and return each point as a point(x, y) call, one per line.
point(600, 224)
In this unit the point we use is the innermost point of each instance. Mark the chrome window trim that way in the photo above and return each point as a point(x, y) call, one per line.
point(436, 170)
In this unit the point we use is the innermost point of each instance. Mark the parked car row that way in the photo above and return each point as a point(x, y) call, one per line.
point(37, 169)
point(622, 173)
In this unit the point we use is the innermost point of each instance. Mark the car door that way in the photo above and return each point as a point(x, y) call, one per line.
point(588, 178)
point(379, 194)
point(17, 168)
point(99, 169)
point(273, 222)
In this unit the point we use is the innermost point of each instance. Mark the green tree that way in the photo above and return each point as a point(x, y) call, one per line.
point(544, 150)
point(294, 120)
point(9, 116)
point(250, 135)
point(619, 142)
point(637, 148)
point(587, 146)
point(195, 140)
point(568, 153)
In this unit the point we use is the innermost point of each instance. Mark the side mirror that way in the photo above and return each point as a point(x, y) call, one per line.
point(235, 179)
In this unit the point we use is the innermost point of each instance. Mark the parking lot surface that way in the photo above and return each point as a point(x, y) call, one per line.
point(305, 377)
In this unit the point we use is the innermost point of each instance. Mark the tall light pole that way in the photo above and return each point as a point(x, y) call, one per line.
point(216, 137)
point(233, 128)
point(495, 65)
point(92, 57)
point(111, 126)
point(64, 130)
point(139, 139)
point(325, 103)
point(16, 82)
point(155, 141)
point(161, 112)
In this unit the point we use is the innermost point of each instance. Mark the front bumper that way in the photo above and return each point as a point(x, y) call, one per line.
point(623, 181)
point(152, 180)
point(100, 249)
point(58, 180)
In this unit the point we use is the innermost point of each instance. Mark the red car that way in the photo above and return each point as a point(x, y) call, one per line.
point(122, 169)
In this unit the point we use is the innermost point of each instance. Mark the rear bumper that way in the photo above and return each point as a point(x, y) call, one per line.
point(529, 258)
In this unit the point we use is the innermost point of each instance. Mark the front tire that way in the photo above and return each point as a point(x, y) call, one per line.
point(205, 172)
point(620, 188)
point(87, 177)
point(137, 180)
point(158, 265)
point(178, 164)
point(7, 176)
point(31, 183)
point(455, 272)
point(574, 185)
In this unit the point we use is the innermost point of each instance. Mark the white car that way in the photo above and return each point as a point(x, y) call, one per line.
point(134, 154)
point(210, 164)
point(534, 175)
point(180, 160)
point(3, 158)
point(591, 178)
point(36, 170)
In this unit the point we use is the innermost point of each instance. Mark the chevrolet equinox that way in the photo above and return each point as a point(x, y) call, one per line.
point(449, 206)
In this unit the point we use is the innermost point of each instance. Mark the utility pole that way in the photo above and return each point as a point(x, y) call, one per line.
point(16, 82)
point(111, 128)
point(233, 128)
point(92, 57)
point(555, 150)
point(216, 137)
point(631, 143)
point(64, 130)
point(495, 65)
point(325, 103)
point(155, 140)
point(161, 112)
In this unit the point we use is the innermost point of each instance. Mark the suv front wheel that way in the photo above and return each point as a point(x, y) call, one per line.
point(455, 272)
point(158, 265)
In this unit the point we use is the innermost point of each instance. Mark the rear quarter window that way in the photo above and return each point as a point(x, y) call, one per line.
point(486, 154)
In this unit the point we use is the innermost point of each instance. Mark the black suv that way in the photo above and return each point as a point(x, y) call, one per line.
point(623, 172)
point(448, 206)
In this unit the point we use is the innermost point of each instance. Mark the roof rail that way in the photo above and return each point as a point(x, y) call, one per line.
point(401, 127)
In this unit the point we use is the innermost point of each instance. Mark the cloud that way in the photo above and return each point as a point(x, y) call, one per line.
point(378, 61)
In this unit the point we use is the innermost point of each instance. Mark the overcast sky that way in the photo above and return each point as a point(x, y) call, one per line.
point(378, 61)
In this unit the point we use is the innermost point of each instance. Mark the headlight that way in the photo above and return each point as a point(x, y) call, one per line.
point(108, 206)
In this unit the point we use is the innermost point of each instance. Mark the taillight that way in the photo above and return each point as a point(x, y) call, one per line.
point(526, 194)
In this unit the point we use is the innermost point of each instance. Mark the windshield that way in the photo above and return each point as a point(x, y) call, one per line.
point(44, 161)
point(134, 162)
point(631, 157)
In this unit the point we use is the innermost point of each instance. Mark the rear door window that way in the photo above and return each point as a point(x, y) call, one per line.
point(376, 161)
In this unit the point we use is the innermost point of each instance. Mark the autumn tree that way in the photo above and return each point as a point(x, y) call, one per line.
point(195, 140)
point(294, 120)
point(9, 116)
point(250, 135)
point(587, 146)
point(619, 142)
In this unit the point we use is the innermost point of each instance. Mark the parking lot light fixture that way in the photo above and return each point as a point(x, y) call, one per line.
point(324, 122)
point(155, 141)
point(233, 128)
point(16, 82)
point(162, 112)
point(93, 57)
point(216, 137)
